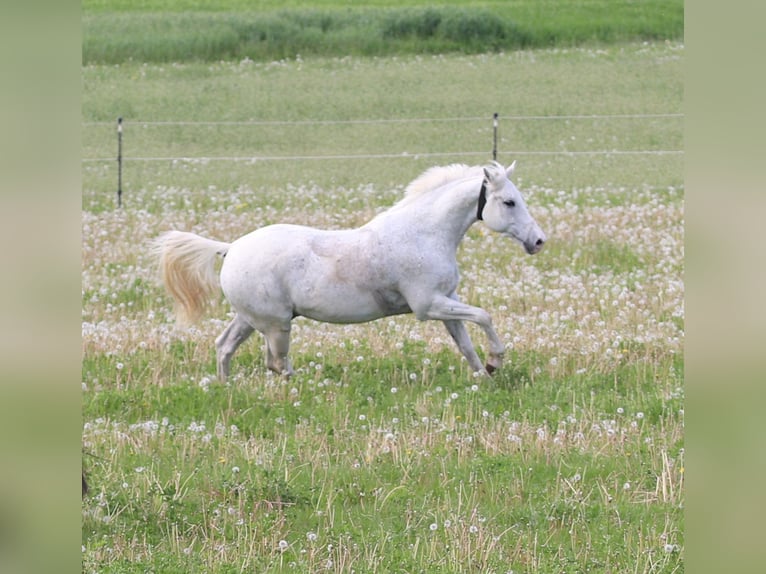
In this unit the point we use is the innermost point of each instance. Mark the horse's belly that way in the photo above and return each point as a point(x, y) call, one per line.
point(287, 270)
point(348, 304)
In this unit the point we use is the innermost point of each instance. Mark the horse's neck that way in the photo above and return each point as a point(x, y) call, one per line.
point(447, 211)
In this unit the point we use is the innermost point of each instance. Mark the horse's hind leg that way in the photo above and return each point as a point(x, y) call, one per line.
point(277, 348)
point(227, 343)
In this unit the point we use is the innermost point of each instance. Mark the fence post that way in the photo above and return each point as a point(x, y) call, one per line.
point(119, 162)
point(494, 138)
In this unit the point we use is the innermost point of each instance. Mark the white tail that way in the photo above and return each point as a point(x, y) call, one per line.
point(187, 268)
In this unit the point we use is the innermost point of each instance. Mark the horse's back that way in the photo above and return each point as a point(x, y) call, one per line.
point(265, 256)
point(284, 245)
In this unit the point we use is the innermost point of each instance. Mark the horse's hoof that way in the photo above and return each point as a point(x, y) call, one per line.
point(490, 369)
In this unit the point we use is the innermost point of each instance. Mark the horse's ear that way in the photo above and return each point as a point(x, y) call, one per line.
point(492, 171)
point(510, 168)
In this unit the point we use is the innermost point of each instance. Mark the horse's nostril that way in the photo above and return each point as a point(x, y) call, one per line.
point(539, 242)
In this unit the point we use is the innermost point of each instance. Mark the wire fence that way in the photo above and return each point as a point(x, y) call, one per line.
point(404, 155)
point(391, 120)
point(373, 121)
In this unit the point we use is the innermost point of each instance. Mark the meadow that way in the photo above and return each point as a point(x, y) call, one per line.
point(384, 453)
point(115, 31)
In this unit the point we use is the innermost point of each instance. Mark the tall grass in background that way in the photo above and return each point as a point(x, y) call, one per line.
point(158, 32)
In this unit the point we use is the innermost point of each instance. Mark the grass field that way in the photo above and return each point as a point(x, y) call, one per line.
point(383, 453)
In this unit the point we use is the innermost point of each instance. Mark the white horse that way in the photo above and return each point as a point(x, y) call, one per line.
point(402, 261)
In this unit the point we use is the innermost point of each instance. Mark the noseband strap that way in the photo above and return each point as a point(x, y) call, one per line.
point(482, 200)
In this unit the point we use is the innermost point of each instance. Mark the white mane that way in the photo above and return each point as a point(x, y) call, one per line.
point(437, 176)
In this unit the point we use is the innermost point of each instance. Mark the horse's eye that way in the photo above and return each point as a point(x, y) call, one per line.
point(510, 203)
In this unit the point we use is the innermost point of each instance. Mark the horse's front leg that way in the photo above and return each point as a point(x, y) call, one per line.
point(460, 335)
point(452, 311)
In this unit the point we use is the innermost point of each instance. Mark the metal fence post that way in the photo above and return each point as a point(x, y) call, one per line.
point(119, 162)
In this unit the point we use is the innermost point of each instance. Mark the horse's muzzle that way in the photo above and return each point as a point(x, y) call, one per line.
point(535, 246)
point(534, 239)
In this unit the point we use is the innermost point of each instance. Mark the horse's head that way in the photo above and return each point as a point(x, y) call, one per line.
point(505, 210)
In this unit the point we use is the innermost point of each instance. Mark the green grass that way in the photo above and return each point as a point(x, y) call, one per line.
point(273, 464)
point(115, 32)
